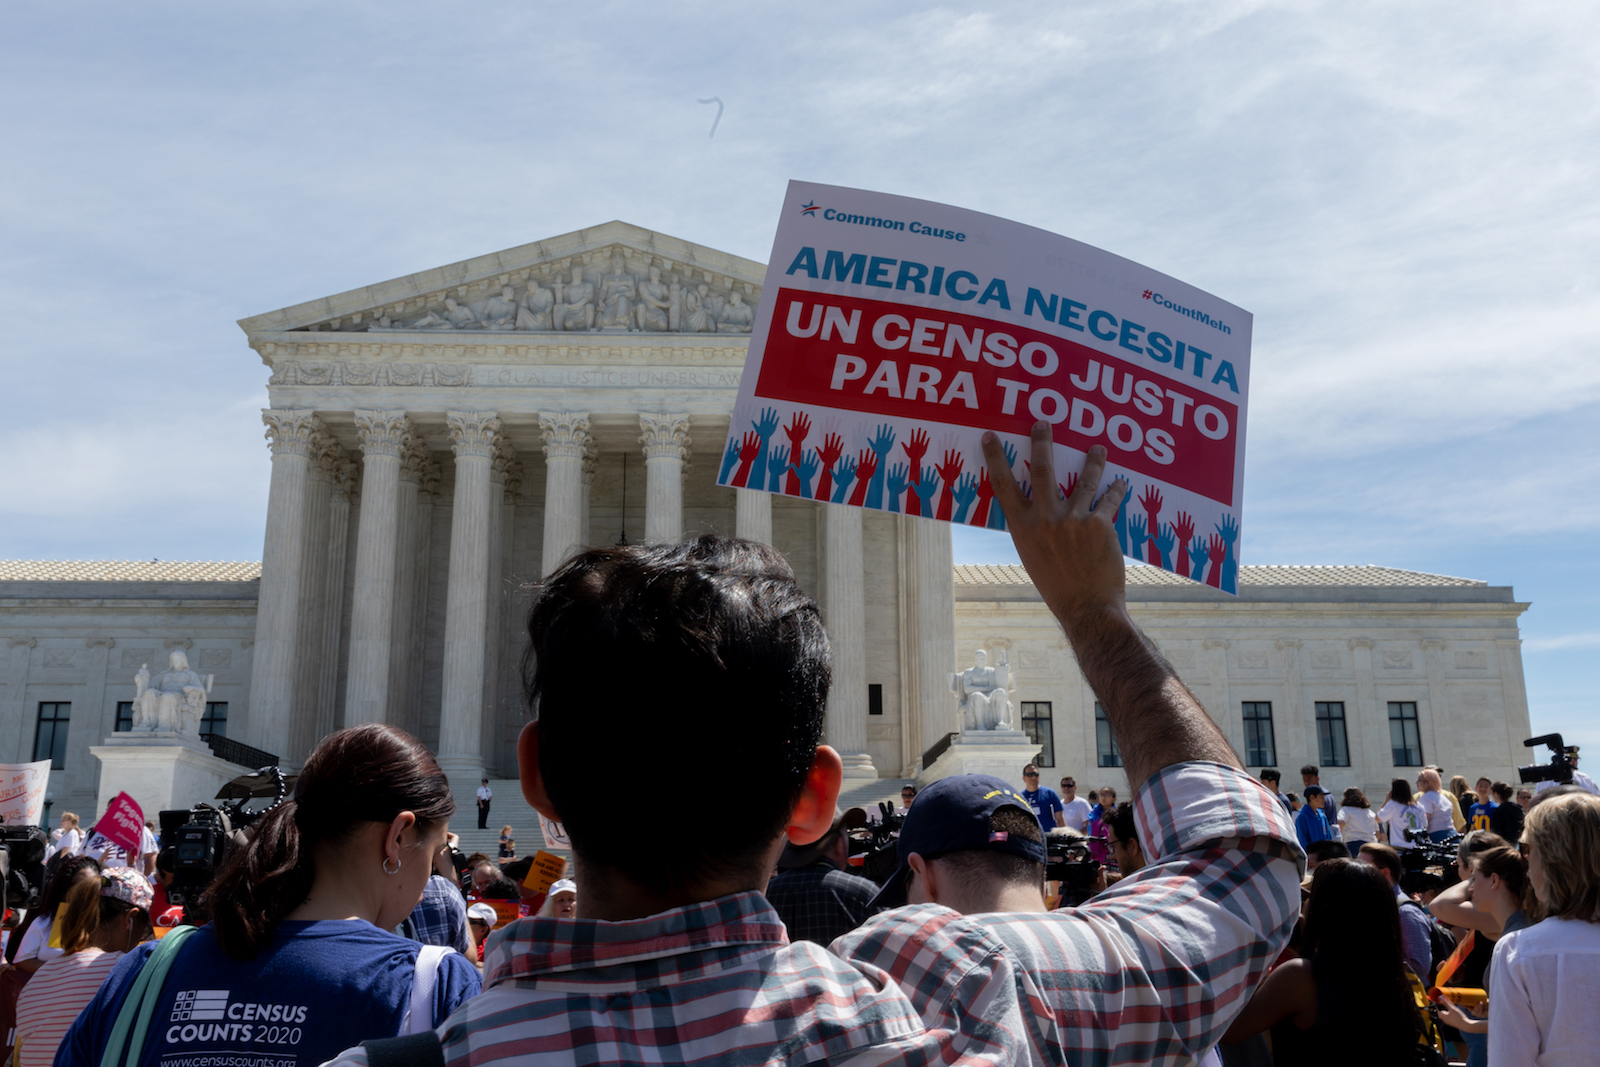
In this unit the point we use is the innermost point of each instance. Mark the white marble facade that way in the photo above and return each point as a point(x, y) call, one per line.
point(438, 444)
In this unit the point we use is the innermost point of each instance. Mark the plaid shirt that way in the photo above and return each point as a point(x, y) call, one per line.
point(440, 917)
point(1154, 969)
point(719, 983)
point(820, 902)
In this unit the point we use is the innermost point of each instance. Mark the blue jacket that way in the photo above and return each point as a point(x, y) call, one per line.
point(1311, 826)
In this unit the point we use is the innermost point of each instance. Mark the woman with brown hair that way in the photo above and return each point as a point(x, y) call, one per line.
point(299, 962)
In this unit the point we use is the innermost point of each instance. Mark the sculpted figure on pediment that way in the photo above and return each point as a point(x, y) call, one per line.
point(618, 292)
point(575, 303)
point(675, 305)
point(654, 309)
point(697, 316)
point(534, 313)
point(737, 316)
point(500, 312)
point(454, 317)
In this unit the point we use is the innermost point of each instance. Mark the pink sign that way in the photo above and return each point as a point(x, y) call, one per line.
point(122, 824)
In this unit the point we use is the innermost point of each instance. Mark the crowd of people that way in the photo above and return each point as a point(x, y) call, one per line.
point(1223, 922)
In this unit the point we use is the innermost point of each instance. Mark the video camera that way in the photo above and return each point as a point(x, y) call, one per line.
point(1559, 769)
point(1067, 861)
point(1425, 853)
point(22, 850)
point(879, 844)
point(197, 841)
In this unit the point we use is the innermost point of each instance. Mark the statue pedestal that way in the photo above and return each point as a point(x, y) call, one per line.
point(1002, 753)
point(160, 770)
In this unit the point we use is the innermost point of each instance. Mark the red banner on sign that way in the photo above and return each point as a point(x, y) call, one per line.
point(123, 825)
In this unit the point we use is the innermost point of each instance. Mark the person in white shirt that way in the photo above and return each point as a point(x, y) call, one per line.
point(67, 838)
point(485, 795)
point(148, 851)
point(1074, 809)
point(1545, 976)
point(1358, 823)
point(1402, 814)
point(1434, 806)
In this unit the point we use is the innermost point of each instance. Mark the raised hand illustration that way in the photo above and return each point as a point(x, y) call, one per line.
point(1217, 551)
point(927, 491)
point(1197, 557)
point(832, 448)
point(896, 480)
point(765, 428)
point(1120, 519)
point(1068, 486)
point(748, 451)
point(797, 430)
point(1184, 528)
point(729, 458)
point(842, 480)
point(881, 444)
point(985, 498)
point(777, 464)
point(1165, 542)
point(965, 493)
point(866, 464)
point(801, 473)
point(915, 448)
point(949, 471)
point(1150, 500)
point(1228, 528)
point(1137, 536)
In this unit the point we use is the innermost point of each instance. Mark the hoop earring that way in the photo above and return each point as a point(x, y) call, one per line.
point(386, 869)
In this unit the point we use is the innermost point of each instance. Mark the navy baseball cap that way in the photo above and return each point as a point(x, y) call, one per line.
point(952, 815)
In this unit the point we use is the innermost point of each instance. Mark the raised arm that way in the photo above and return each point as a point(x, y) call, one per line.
point(1070, 550)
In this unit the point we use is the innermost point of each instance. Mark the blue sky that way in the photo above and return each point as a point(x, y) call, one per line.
point(1403, 195)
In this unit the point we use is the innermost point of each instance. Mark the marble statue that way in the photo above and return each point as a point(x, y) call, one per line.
point(982, 689)
point(736, 316)
point(456, 316)
point(675, 305)
point(618, 292)
point(173, 701)
point(654, 310)
point(534, 312)
point(500, 312)
point(697, 317)
point(575, 303)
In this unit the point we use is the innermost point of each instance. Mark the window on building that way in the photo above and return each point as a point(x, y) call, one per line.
point(124, 716)
point(1105, 744)
point(1405, 739)
point(1261, 750)
point(1036, 724)
point(874, 699)
point(214, 723)
point(1333, 744)
point(50, 741)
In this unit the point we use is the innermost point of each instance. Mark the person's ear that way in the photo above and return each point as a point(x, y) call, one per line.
point(394, 843)
point(813, 812)
point(528, 772)
point(925, 874)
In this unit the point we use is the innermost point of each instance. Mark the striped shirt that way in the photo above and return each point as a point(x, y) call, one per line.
point(1154, 969)
point(52, 999)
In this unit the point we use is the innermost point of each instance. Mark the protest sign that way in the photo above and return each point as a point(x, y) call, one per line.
point(122, 824)
point(892, 332)
point(544, 871)
point(22, 792)
point(555, 835)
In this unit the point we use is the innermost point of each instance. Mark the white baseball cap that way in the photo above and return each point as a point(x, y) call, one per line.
point(484, 913)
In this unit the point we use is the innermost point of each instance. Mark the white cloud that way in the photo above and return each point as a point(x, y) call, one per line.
point(1561, 643)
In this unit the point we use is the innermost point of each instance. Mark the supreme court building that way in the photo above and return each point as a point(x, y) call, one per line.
point(441, 441)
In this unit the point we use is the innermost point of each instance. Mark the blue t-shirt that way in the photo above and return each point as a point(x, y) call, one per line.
point(1045, 802)
point(1478, 817)
point(318, 989)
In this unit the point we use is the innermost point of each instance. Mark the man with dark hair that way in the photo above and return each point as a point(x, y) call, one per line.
point(814, 892)
point(1122, 836)
point(1041, 800)
point(1312, 823)
point(1323, 851)
point(1272, 779)
point(1310, 776)
point(1414, 921)
point(1126, 968)
point(971, 844)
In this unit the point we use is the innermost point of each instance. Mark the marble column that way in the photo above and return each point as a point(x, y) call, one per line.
point(752, 515)
point(472, 437)
point(366, 697)
point(402, 712)
point(591, 457)
point(566, 438)
point(337, 549)
point(928, 634)
point(494, 594)
point(844, 596)
point(272, 673)
point(313, 597)
point(417, 639)
point(666, 445)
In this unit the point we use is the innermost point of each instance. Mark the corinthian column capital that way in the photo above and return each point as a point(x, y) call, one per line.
point(414, 459)
point(473, 433)
point(664, 436)
point(292, 433)
point(383, 433)
point(565, 434)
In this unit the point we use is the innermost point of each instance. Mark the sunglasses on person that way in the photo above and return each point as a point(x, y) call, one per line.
point(1030, 774)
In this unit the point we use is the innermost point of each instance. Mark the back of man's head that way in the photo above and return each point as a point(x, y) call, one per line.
point(649, 664)
point(1383, 857)
point(976, 880)
point(1323, 851)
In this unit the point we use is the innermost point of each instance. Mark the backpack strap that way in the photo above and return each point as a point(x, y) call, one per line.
point(419, 1016)
point(139, 1006)
point(408, 1050)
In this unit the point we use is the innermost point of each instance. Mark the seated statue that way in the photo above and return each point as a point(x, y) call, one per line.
point(500, 312)
point(617, 294)
point(574, 308)
point(984, 704)
point(654, 309)
point(698, 317)
point(534, 311)
point(173, 701)
point(737, 316)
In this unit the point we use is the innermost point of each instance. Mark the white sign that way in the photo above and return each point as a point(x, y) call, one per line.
point(22, 789)
point(555, 835)
point(892, 332)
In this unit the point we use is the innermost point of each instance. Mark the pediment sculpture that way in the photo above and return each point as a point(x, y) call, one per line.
point(615, 297)
point(173, 701)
